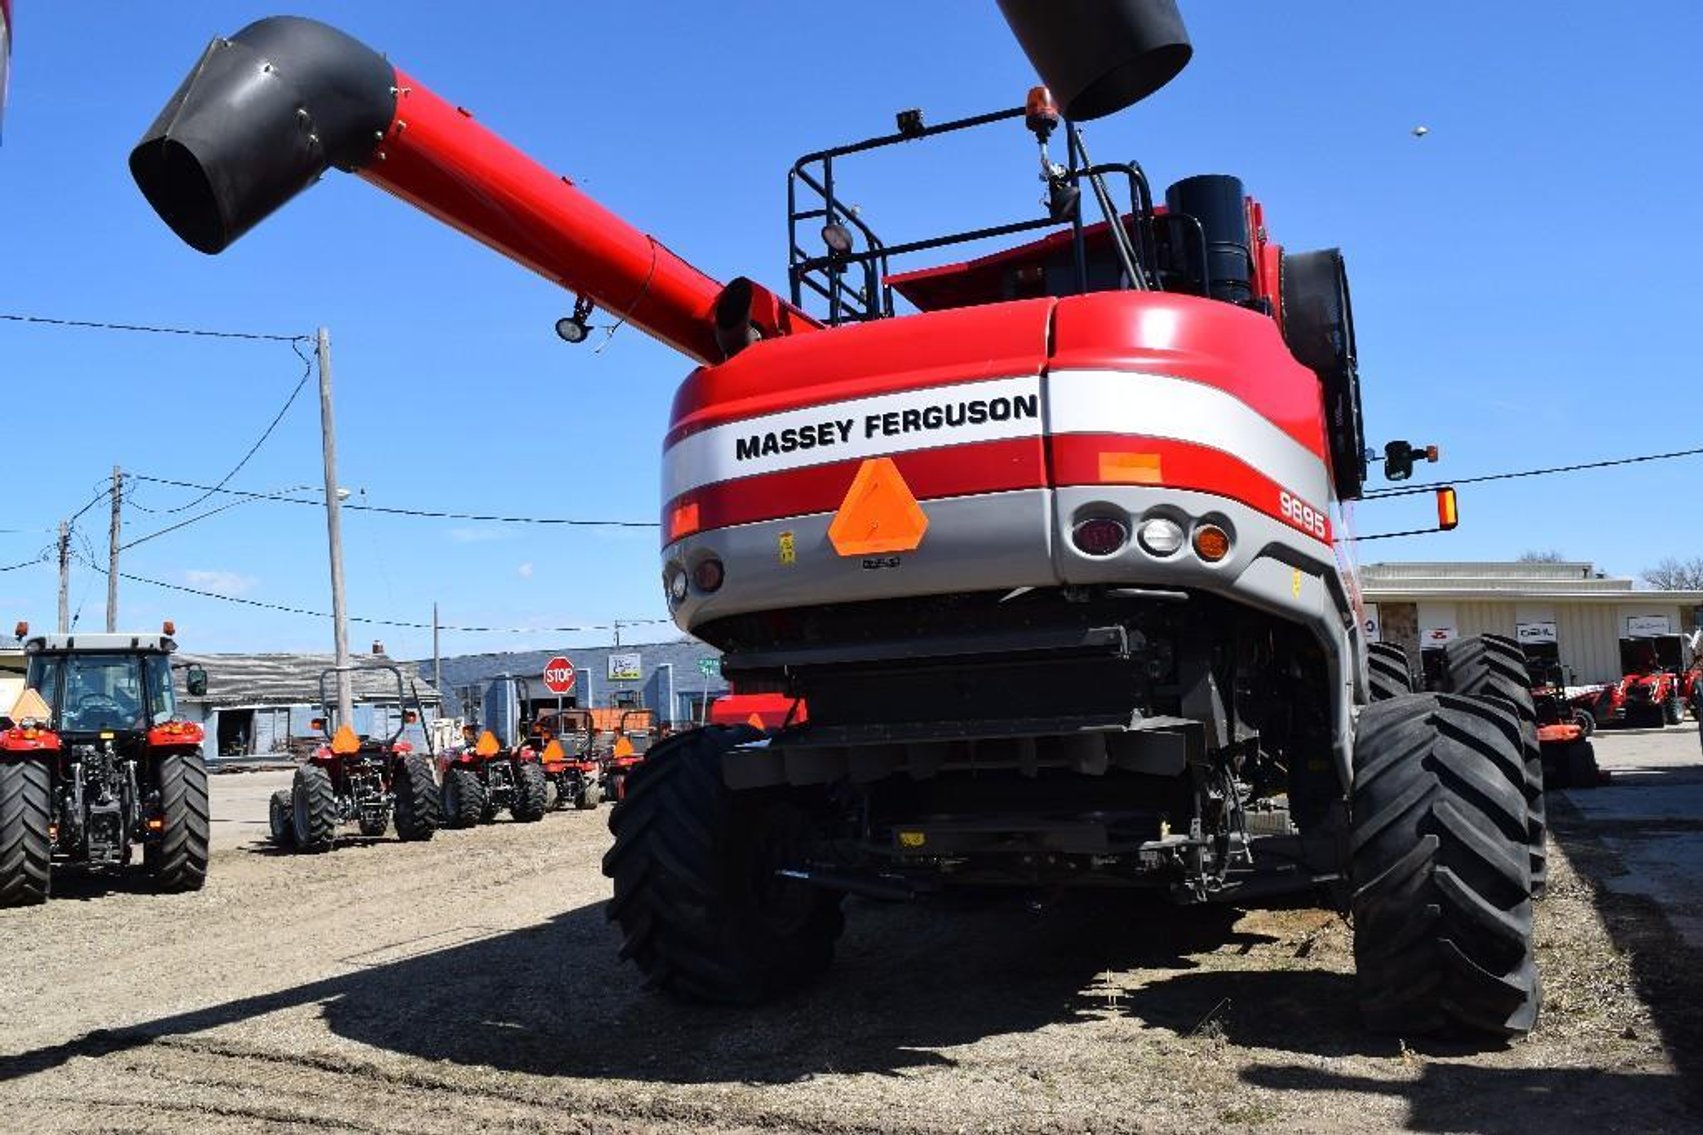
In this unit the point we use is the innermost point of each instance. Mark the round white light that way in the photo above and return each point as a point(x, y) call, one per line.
point(1160, 536)
point(676, 584)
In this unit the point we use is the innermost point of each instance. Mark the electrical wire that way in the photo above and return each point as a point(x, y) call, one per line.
point(369, 621)
point(41, 558)
point(307, 373)
point(431, 514)
point(99, 325)
point(1409, 490)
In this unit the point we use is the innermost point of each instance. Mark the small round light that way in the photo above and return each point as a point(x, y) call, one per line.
point(1161, 536)
point(1099, 536)
point(708, 574)
point(572, 330)
point(1211, 543)
point(675, 583)
point(837, 237)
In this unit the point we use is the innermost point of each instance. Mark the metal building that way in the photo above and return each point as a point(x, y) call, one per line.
point(1570, 609)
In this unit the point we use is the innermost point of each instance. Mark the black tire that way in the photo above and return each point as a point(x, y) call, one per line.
point(179, 862)
point(1585, 720)
point(701, 911)
point(313, 810)
point(528, 806)
point(1387, 671)
point(280, 813)
point(463, 798)
point(591, 796)
point(1673, 711)
point(1493, 666)
point(26, 854)
point(1442, 883)
point(415, 790)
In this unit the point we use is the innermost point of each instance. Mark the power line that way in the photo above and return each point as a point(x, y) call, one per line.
point(41, 558)
point(431, 514)
point(199, 332)
point(369, 621)
point(1408, 490)
point(307, 372)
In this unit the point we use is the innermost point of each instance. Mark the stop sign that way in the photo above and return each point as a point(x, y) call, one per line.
point(559, 675)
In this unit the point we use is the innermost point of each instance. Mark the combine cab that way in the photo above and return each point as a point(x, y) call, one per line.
point(95, 765)
point(1049, 564)
point(357, 779)
point(487, 776)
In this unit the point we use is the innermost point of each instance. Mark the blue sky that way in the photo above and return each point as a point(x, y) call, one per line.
point(1522, 277)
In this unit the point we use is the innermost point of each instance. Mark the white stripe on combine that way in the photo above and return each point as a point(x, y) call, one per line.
point(858, 428)
point(1156, 405)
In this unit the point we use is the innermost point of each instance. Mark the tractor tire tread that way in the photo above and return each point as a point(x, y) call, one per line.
point(180, 863)
point(417, 810)
point(26, 853)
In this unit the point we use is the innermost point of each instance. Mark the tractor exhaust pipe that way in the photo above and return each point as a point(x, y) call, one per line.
point(267, 111)
point(1100, 56)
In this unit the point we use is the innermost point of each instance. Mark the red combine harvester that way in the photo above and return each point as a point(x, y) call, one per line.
point(94, 764)
point(1049, 560)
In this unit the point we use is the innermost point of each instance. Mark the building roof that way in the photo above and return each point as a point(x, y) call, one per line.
point(1576, 581)
point(293, 679)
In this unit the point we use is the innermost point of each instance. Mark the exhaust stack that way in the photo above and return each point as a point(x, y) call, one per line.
point(1100, 56)
point(267, 111)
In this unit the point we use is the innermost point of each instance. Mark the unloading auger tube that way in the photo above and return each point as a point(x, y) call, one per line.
point(268, 110)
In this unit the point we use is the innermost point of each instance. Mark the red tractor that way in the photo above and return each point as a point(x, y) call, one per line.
point(1051, 560)
point(572, 758)
point(635, 733)
point(1657, 673)
point(95, 765)
point(486, 776)
point(356, 778)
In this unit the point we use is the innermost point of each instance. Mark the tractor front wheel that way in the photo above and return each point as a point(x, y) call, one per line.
point(313, 808)
point(591, 794)
point(415, 790)
point(698, 896)
point(179, 861)
point(1442, 879)
point(25, 850)
point(283, 824)
point(1673, 711)
point(528, 803)
point(463, 798)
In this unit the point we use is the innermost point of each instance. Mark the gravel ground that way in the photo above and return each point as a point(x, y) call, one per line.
point(470, 984)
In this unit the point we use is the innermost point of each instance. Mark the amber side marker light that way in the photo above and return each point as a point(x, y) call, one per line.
point(1448, 510)
point(1211, 543)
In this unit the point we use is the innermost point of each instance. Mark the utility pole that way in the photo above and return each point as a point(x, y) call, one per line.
point(437, 659)
point(334, 535)
point(64, 577)
point(112, 550)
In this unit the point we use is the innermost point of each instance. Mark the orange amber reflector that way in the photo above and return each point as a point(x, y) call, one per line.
point(879, 513)
point(1211, 543)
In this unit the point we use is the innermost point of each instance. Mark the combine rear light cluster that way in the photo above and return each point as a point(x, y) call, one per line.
point(1211, 543)
point(1161, 536)
point(708, 574)
point(1099, 536)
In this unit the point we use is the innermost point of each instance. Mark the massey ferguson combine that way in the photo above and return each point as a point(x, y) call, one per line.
point(1045, 563)
point(95, 765)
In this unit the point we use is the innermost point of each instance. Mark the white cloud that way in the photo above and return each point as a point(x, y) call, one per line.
point(220, 582)
point(525, 570)
point(479, 535)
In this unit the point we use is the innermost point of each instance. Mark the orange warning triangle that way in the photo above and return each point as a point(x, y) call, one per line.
point(755, 721)
point(623, 748)
point(552, 751)
point(487, 746)
point(345, 741)
point(31, 706)
point(879, 514)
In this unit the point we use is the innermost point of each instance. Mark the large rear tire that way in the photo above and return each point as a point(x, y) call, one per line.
point(528, 806)
point(1493, 666)
point(313, 809)
point(1442, 882)
point(463, 798)
point(1387, 672)
point(279, 812)
point(700, 906)
point(1673, 711)
point(415, 790)
point(179, 862)
point(26, 853)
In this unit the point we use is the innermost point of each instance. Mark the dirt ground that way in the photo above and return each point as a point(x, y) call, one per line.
point(471, 984)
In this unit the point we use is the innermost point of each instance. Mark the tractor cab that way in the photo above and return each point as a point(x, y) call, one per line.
point(107, 686)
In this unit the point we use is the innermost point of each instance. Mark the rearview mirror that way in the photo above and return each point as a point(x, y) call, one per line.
point(195, 681)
